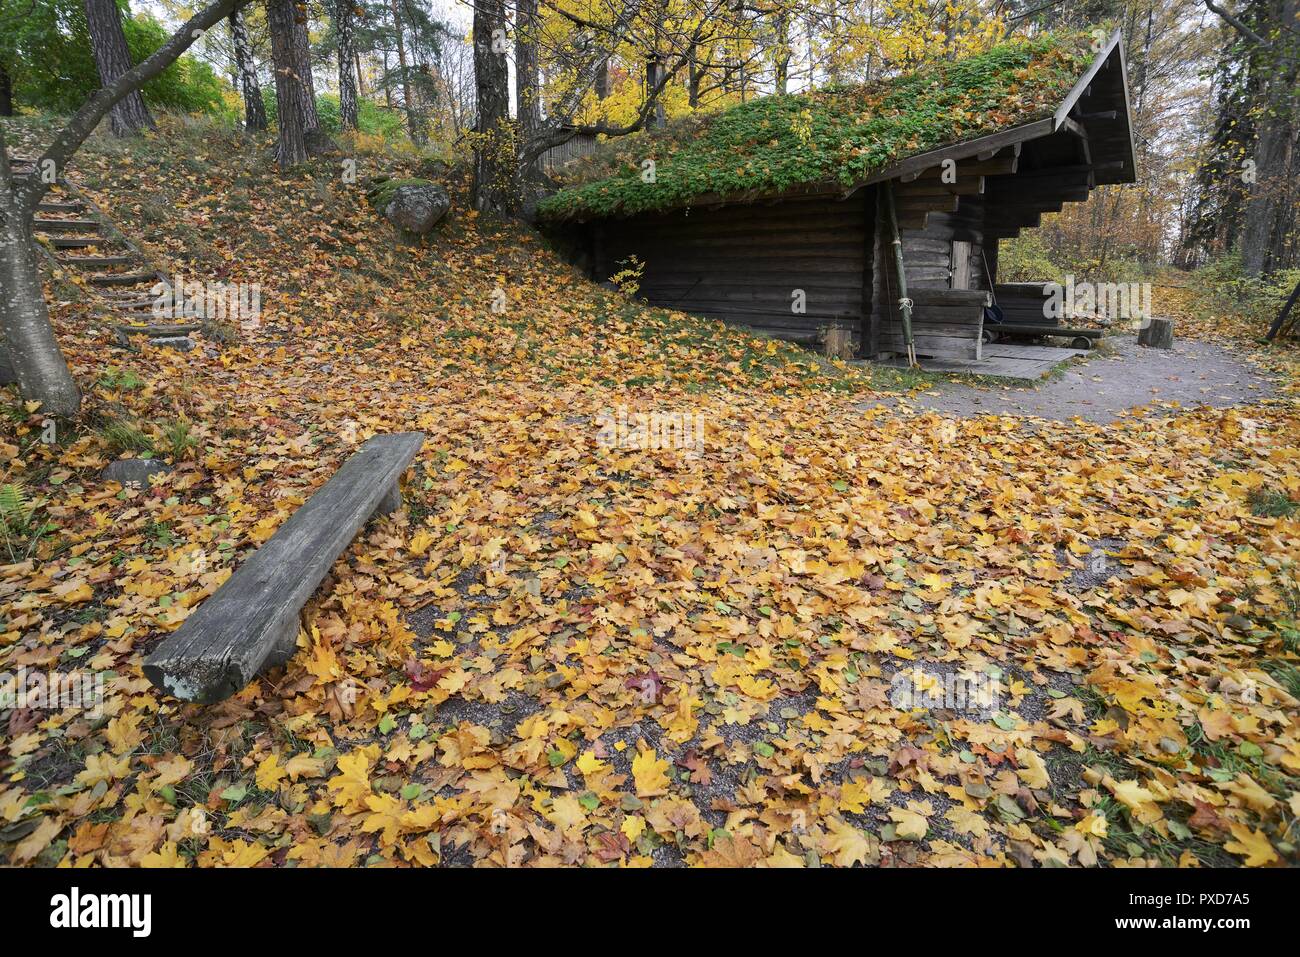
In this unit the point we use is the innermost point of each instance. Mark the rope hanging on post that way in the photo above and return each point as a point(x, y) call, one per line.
point(904, 302)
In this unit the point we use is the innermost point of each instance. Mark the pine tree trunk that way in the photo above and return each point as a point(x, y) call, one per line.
point(495, 174)
point(347, 54)
point(311, 130)
point(291, 148)
point(129, 115)
point(254, 108)
point(414, 124)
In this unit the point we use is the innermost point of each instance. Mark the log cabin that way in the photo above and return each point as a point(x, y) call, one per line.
point(876, 208)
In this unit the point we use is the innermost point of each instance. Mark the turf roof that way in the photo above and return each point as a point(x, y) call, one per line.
point(837, 135)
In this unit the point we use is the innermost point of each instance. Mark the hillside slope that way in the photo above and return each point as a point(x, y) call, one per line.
point(572, 650)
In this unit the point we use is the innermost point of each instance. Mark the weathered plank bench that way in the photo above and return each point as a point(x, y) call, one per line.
point(251, 622)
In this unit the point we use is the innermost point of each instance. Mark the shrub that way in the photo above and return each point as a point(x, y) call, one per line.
point(1258, 299)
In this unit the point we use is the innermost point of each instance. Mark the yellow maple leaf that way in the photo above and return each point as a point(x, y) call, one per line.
point(351, 786)
point(1033, 772)
point(633, 826)
point(1254, 846)
point(650, 774)
point(849, 845)
point(385, 815)
point(967, 822)
point(244, 854)
point(269, 773)
point(103, 767)
point(590, 764)
point(1139, 800)
point(567, 812)
point(172, 771)
point(909, 825)
point(165, 856)
point(304, 765)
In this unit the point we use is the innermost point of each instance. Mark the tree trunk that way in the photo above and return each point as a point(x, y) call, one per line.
point(1262, 238)
point(653, 73)
point(414, 126)
point(527, 94)
point(602, 81)
point(495, 173)
point(311, 130)
point(26, 337)
point(781, 53)
point(347, 53)
point(129, 116)
point(34, 354)
point(254, 109)
point(291, 148)
point(6, 92)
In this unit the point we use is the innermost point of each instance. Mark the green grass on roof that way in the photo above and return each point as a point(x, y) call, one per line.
point(842, 134)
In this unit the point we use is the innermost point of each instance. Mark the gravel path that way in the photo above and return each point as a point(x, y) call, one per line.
point(1119, 377)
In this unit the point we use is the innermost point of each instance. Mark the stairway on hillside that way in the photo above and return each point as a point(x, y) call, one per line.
point(77, 236)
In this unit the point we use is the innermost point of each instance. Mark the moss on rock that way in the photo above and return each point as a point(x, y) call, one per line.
point(381, 192)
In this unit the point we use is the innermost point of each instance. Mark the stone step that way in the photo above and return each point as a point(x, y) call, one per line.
point(77, 242)
point(123, 279)
point(95, 260)
point(64, 225)
point(54, 207)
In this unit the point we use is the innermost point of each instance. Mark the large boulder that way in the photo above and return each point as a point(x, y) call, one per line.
point(412, 205)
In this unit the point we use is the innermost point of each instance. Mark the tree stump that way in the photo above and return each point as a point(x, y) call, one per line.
point(1157, 334)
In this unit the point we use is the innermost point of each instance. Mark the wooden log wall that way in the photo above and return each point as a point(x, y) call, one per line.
point(1025, 303)
point(946, 323)
point(743, 263)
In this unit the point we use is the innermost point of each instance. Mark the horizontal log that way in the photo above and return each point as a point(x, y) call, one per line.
point(252, 620)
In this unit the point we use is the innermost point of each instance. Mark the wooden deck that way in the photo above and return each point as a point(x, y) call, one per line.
point(1003, 360)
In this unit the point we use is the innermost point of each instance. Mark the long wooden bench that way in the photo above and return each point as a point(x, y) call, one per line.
point(251, 622)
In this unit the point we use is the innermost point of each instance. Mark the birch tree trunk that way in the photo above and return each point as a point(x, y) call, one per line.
point(112, 58)
point(254, 108)
point(347, 54)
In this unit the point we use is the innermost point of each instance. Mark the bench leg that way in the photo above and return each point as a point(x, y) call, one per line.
point(285, 642)
point(391, 501)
